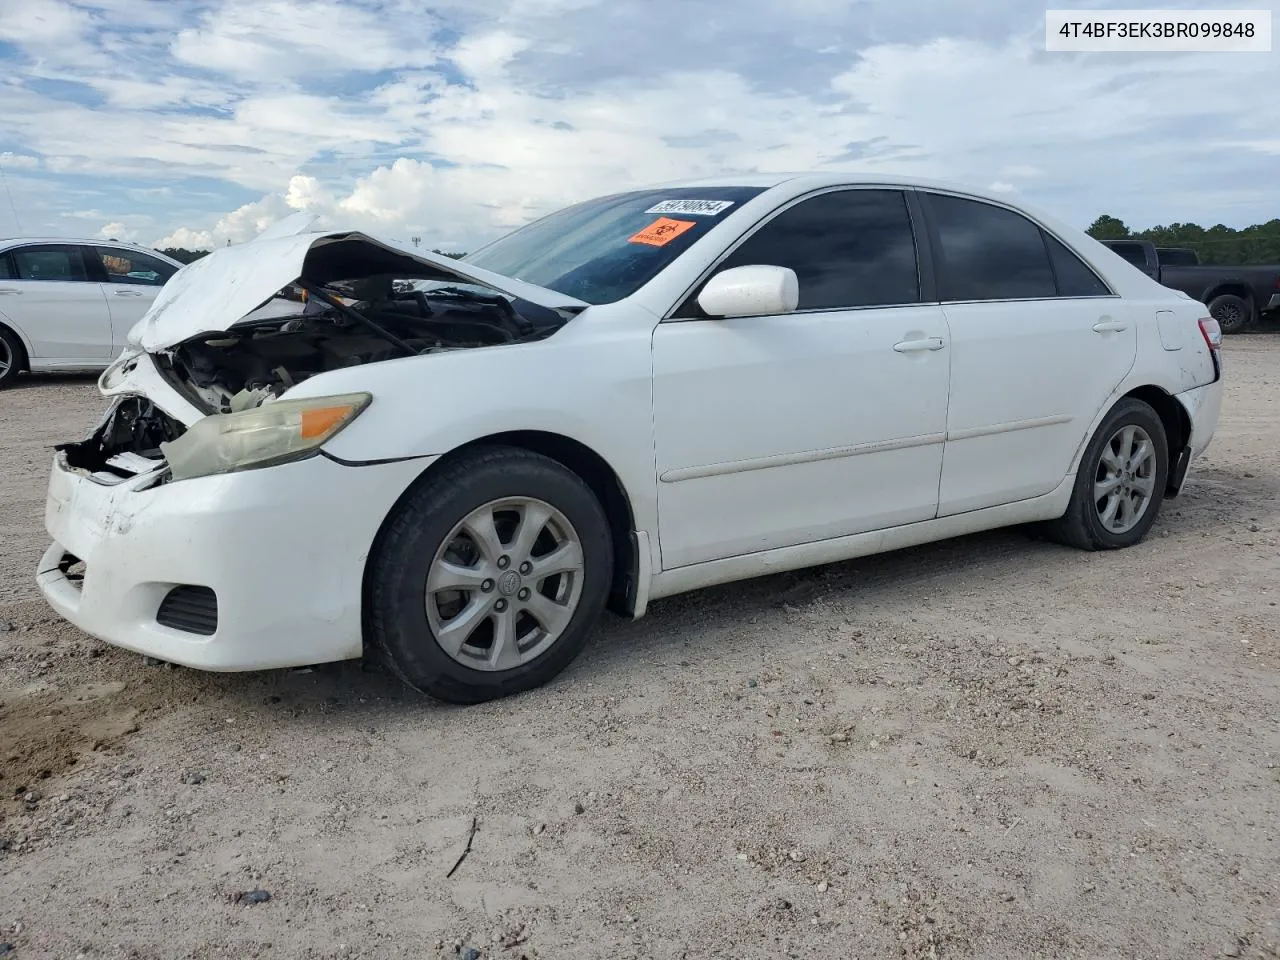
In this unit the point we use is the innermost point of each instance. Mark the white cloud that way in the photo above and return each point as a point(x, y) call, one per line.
point(42, 22)
point(243, 223)
point(306, 193)
point(18, 161)
point(364, 112)
point(305, 38)
point(1000, 186)
point(116, 231)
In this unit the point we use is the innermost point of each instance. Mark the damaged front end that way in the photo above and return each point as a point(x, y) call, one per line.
point(204, 386)
point(126, 444)
point(345, 324)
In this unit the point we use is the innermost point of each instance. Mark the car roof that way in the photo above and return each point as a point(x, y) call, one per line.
point(801, 181)
point(95, 242)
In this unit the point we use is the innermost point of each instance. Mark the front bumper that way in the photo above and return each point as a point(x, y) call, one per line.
point(282, 548)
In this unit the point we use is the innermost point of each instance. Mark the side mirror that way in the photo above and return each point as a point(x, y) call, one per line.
point(756, 290)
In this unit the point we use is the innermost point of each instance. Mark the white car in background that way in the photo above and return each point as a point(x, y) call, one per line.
point(69, 304)
point(457, 464)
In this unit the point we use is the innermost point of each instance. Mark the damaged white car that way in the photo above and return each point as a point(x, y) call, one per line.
point(458, 464)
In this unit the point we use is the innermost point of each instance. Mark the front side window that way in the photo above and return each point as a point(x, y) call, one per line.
point(849, 248)
point(989, 253)
point(608, 248)
point(6, 271)
point(49, 263)
point(130, 266)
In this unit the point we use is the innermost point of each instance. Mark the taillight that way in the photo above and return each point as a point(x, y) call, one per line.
point(1212, 333)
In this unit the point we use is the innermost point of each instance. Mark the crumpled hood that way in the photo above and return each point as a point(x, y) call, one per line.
point(217, 291)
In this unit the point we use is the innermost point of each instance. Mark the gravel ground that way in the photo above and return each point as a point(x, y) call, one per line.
point(993, 747)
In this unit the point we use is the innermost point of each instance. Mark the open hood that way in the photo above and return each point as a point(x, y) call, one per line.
point(215, 292)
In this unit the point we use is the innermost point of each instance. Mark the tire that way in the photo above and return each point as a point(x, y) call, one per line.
point(13, 357)
point(1084, 525)
point(549, 617)
point(1232, 313)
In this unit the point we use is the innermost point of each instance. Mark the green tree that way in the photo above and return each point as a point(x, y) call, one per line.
point(183, 255)
point(1219, 244)
point(1107, 227)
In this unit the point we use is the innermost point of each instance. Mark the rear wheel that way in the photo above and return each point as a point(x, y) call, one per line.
point(12, 357)
point(1120, 483)
point(1232, 313)
point(490, 576)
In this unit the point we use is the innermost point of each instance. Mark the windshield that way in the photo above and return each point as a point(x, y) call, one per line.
point(606, 249)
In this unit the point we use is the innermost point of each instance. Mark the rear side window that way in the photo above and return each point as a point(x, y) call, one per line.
point(1075, 278)
point(49, 263)
point(851, 248)
point(989, 253)
point(130, 266)
point(6, 271)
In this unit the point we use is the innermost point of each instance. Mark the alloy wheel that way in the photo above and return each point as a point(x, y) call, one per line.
point(504, 584)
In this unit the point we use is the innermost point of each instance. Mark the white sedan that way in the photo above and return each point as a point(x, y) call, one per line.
point(69, 304)
point(457, 465)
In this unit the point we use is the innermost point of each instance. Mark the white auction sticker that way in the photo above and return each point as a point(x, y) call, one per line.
point(1158, 31)
point(699, 208)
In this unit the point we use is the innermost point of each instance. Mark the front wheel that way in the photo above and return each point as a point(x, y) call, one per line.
point(489, 576)
point(1232, 313)
point(11, 356)
point(1120, 483)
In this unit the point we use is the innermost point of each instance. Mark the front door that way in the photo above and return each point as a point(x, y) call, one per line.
point(780, 430)
point(62, 312)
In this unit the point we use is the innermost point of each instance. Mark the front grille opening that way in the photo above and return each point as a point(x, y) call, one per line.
point(190, 609)
point(72, 568)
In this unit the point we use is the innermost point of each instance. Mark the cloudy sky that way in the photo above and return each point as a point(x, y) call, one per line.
point(195, 122)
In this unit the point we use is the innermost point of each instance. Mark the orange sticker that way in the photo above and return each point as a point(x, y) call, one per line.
point(661, 232)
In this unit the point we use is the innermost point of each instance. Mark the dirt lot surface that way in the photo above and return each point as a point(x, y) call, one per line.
point(993, 747)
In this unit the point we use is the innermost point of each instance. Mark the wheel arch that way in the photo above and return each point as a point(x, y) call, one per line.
point(1173, 417)
point(24, 348)
point(587, 464)
point(1234, 288)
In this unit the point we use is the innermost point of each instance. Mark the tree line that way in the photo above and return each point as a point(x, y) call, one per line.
point(1259, 243)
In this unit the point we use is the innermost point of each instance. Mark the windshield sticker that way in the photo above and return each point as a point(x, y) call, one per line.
point(661, 232)
point(699, 208)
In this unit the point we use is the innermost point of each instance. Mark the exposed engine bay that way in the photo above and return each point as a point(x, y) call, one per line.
point(376, 319)
point(313, 325)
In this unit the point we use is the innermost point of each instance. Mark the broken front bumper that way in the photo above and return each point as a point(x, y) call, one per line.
point(242, 571)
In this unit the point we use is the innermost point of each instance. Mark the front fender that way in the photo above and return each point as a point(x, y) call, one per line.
point(596, 392)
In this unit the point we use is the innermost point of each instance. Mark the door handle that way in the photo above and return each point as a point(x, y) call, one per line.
point(128, 293)
point(915, 346)
point(10, 290)
point(1110, 326)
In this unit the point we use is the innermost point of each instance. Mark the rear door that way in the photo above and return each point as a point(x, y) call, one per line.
point(1038, 344)
point(130, 280)
point(51, 299)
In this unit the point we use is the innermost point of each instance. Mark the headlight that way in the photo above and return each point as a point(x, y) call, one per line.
point(264, 436)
